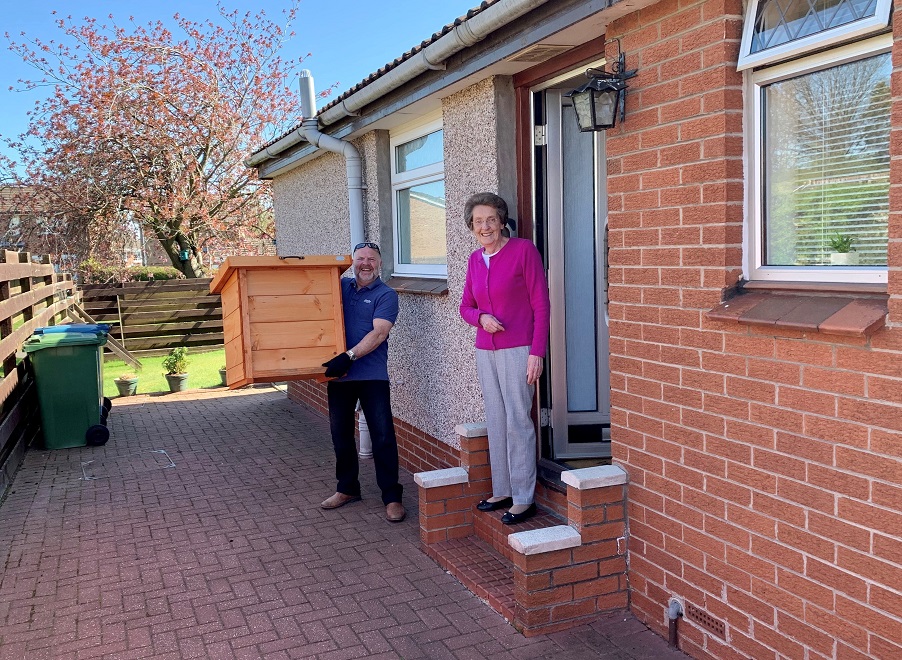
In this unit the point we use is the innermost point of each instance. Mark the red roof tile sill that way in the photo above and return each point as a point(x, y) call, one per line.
point(828, 313)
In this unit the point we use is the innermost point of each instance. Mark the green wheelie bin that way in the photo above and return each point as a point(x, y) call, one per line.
point(68, 373)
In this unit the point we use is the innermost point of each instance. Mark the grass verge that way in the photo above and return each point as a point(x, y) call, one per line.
point(203, 371)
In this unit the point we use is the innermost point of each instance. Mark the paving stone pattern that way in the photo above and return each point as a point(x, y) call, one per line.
point(196, 532)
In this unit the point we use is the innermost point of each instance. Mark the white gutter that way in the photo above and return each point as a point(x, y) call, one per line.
point(432, 57)
point(276, 148)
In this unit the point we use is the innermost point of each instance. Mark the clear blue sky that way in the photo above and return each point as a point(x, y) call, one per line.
point(347, 39)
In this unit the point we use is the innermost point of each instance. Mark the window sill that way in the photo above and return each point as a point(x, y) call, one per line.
point(422, 286)
point(846, 310)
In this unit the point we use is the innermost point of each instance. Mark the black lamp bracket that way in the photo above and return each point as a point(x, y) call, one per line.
point(618, 66)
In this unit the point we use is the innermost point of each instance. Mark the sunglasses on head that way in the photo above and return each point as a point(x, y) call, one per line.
point(367, 244)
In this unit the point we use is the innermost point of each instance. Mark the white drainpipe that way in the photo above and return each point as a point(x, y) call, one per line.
point(353, 166)
point(309, 129)
point(366, 441)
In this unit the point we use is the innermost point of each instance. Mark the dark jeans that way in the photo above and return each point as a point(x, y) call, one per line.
point(375, 401)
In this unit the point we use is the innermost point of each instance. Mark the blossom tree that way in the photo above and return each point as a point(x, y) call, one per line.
point(152, 126)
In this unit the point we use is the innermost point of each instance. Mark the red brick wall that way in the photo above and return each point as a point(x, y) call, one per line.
point(417, 451)
point(310, 393)
point(765, 479)
point(421, 452)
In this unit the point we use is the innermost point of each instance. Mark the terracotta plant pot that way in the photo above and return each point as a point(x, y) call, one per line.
point(126, 387)
point(177, 382)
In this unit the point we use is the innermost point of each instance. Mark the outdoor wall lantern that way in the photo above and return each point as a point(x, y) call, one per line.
point(597, 102)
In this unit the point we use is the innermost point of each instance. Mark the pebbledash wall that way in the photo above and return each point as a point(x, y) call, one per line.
point(764, 464)
point(431, 353)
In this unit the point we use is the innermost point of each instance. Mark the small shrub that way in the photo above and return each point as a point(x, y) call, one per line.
point(94, 272)
point(842, 243)
point(128, 375)
point(177, 361)
point(147, 273)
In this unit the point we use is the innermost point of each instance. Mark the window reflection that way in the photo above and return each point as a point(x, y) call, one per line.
point(421, 224)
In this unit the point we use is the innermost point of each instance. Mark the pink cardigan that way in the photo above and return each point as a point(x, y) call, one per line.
point(514, 291)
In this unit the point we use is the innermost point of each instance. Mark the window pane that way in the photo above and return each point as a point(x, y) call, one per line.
point(826, 170)
point(421, 224)
point(780, 21)
point(424, 150)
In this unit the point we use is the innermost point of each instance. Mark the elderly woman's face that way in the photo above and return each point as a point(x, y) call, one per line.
point(486, 226)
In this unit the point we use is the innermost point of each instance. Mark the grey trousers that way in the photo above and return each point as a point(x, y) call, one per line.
point(512, 436)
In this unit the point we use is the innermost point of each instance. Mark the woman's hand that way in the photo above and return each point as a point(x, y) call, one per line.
point(534, 367)
point(490, 324)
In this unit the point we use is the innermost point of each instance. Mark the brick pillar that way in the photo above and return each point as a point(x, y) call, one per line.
point(474, 458)
point(447, 497)
point(446, 508)
point(596, 508)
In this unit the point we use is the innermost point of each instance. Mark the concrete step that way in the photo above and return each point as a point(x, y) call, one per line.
point(488, 526)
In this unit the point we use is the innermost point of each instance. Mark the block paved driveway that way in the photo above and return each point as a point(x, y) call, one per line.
point(196, 532)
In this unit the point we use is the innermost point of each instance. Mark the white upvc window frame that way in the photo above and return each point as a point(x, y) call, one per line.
point(403, 180)
point(799, 47)
point(754, 267)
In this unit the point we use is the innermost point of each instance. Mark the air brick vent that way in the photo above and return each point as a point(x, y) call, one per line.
point(539, 53)
point(706, 621)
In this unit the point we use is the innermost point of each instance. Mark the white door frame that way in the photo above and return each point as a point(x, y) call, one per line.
point(560, 418)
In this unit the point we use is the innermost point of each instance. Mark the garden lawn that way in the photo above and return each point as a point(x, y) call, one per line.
point(203, 371)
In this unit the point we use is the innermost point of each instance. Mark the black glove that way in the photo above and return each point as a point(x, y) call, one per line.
point(338, 366)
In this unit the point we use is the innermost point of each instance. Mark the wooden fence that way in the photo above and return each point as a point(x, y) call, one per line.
point(154, 316)
point(31, 296)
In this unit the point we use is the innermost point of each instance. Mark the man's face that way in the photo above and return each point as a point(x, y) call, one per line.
point(367, 265)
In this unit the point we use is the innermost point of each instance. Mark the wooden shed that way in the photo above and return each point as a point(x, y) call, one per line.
point(281, 316)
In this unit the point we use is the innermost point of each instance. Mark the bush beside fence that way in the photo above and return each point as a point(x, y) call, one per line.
point(93, 272)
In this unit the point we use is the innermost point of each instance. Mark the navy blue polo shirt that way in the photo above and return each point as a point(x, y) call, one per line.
point(360, 306)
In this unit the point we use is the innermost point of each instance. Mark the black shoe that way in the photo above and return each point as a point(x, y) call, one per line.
point(514, 518)
point(485, 505)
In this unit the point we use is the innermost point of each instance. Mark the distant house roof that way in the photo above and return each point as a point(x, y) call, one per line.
point(370, 79)
point(22, 199)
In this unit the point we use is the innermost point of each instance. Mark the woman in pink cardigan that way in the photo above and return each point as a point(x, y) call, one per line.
point(506, 298)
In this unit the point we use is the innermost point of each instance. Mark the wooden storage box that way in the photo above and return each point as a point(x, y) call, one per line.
point(281, 318)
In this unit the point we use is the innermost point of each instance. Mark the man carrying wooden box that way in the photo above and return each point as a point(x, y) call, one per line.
point(370, 309)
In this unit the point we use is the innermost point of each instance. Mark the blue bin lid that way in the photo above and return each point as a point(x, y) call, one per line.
point(92, 328)
point(55, 339)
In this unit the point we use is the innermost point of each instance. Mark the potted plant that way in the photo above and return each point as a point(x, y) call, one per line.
point(176, 366)
point(222, 375)
point(127, 383)
point(842, 253)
